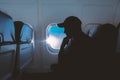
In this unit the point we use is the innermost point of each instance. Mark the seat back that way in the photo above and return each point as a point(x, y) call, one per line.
point(105, 38)
point(7, 50)
point(6, 28)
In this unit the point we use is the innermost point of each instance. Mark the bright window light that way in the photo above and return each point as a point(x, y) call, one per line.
point(54, 37)
point(53, 42)
point(92, 31)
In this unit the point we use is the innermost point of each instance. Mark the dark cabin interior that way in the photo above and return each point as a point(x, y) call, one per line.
point(28, 52)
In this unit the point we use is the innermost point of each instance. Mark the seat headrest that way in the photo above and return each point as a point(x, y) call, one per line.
point(6, 27)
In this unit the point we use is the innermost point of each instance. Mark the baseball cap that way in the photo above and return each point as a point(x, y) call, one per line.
point(69, 20)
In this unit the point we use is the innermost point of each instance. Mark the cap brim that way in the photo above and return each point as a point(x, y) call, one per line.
point(60, 24)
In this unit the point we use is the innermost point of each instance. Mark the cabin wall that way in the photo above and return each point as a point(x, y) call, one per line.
point(40, 13)
point(117, 20)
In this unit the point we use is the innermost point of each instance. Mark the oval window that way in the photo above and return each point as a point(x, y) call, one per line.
point(54, 37)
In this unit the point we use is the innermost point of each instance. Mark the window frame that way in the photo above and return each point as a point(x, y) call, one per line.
point(49, 48)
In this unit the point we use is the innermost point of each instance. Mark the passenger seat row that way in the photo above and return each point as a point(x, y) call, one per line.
point(16, 46)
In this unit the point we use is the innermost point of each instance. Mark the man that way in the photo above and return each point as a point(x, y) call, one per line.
point(75, 50)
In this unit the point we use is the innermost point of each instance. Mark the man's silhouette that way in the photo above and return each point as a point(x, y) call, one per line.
point(74, 53)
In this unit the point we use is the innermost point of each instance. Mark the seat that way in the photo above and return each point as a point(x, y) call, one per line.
point(6, 27)
point(7, 46)
point(105, 40)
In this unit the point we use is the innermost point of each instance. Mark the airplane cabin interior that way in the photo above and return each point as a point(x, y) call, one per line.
point(30, 38)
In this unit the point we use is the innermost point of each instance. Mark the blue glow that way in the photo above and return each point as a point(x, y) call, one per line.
point(55, 30)
point(92, 32)
point(26, 33)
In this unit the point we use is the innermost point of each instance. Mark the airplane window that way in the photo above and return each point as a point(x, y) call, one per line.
point(91, 28)
point(54, 37)
point(28, 33)
point(92, 32)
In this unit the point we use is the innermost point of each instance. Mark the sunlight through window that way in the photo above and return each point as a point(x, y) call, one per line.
point(54, 37)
